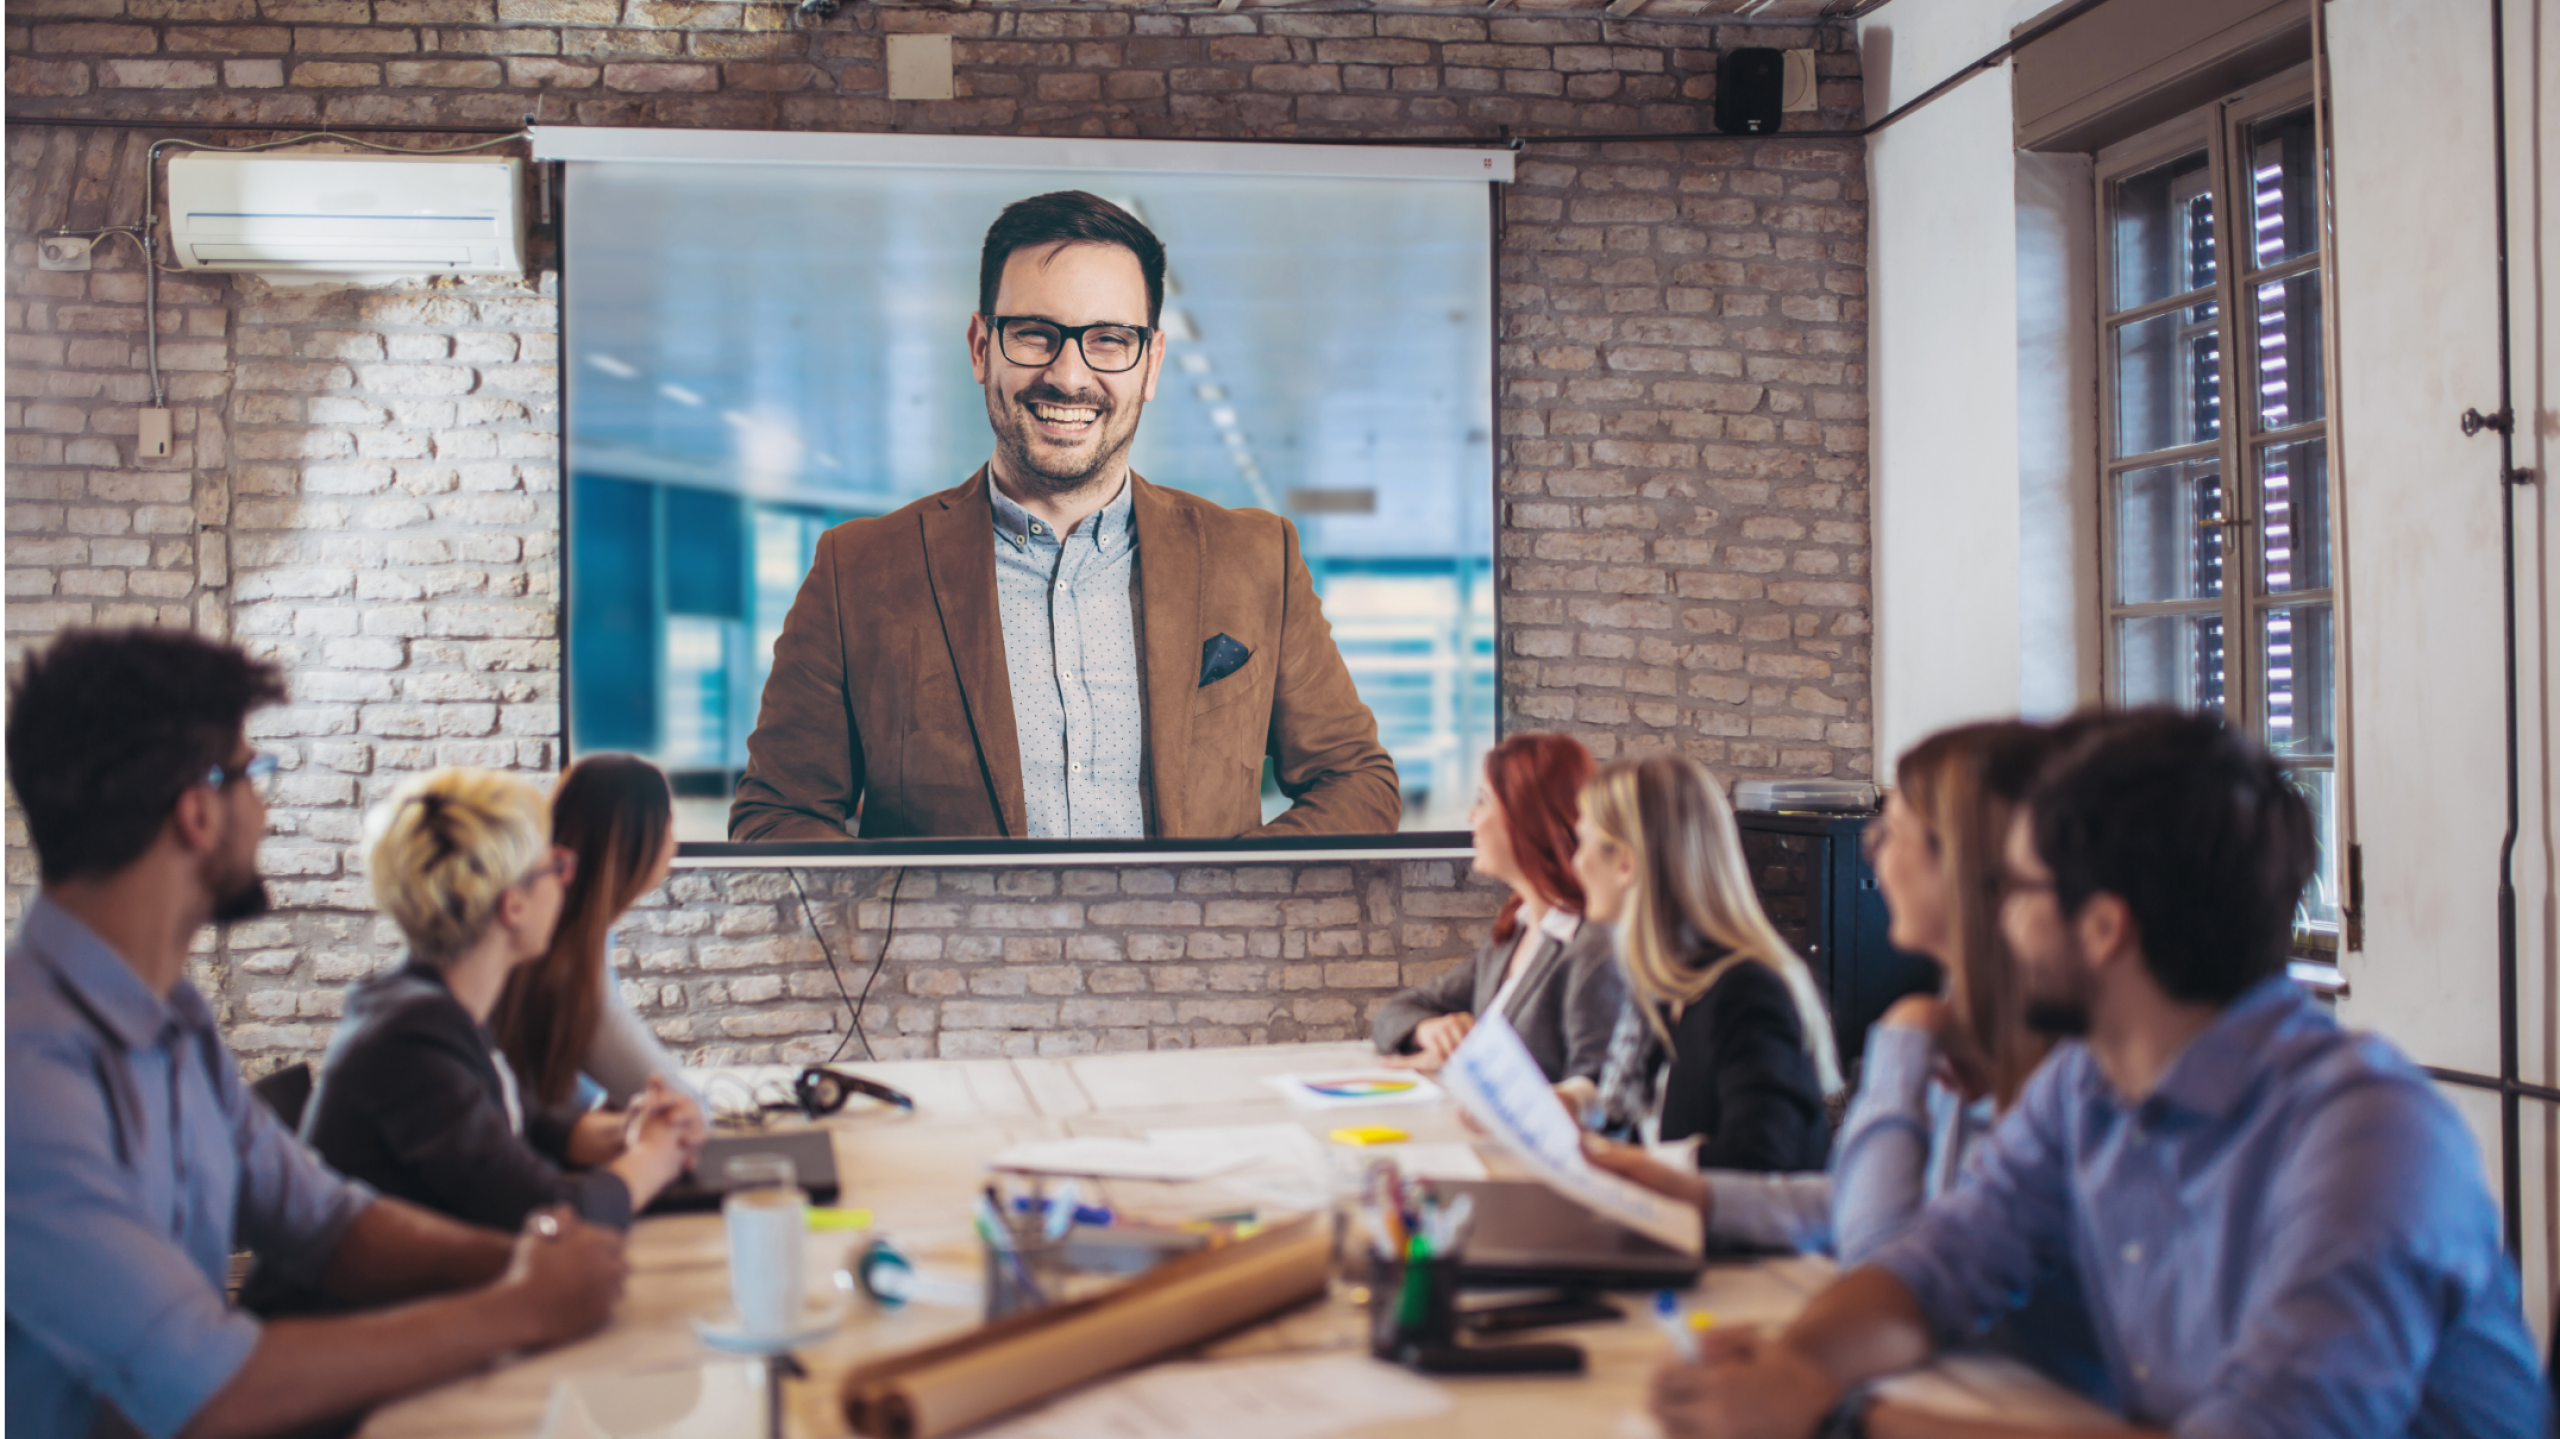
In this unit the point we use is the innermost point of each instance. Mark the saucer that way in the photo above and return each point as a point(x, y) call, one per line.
point(818, 1319)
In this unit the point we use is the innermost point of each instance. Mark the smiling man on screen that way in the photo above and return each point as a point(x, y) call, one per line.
point(1058, 648)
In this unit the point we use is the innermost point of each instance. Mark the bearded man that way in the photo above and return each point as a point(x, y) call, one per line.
point(1058, 648)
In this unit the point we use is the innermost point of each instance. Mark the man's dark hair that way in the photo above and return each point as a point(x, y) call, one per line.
point(2197, 829)
point(108, 727)
point(1069, 217)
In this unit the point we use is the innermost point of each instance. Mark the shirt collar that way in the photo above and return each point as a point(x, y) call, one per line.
point(1560, 924)
point(103, 983)
point(1105, 527)
point(2219, 1066)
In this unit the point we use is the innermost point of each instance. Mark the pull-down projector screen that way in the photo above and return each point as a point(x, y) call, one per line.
point(797, 578)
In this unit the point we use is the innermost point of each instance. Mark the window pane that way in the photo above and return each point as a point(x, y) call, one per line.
point(2282, 219)
point(2291, 389)
point(2170, 659)
point(2299, 671)
point(2168, 381)
point(2168, 546)
point(2162, 221)
point(2293, 515)
point(2320, 898)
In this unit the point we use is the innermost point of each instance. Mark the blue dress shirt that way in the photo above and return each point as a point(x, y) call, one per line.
point(1071, 657)
point(2289, 1237)
point(136, 1158)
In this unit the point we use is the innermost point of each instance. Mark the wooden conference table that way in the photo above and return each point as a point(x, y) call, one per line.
point(916, 1173)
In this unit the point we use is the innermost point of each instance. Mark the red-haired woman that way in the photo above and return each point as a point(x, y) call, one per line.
point(1544, 969)
point(561, 1019)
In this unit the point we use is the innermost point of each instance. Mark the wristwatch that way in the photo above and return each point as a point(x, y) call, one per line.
point(1848, 1418)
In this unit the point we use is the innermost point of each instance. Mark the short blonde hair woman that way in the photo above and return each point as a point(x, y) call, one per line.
point(414, 1097)
point(1724, 1036)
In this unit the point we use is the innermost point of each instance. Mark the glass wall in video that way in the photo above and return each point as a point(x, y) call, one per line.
point(759, 353)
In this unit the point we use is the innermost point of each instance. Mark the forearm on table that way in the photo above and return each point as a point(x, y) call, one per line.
point(1864, 1326)
point(1888, 1420)
point(307, 1370)
point(396, 1250)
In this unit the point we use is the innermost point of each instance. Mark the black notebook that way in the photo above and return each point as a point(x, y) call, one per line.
point(811, 1151)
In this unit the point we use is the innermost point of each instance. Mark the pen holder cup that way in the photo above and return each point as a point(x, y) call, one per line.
point(1031, 1275)
point(1413, 1303)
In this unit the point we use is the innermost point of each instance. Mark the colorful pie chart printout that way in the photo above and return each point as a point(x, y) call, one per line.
point(1355, 1089)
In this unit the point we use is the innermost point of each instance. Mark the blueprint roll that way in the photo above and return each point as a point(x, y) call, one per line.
point(947, 1387)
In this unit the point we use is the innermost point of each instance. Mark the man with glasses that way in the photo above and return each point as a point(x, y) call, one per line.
point(1059, 648)
point(2279, 1228)
point(137, 1159)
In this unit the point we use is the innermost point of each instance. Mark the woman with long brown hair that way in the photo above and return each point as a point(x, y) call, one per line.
point(1939, 1068)
point(562, 1017)
point(1724, 1036)
point(1543, 968)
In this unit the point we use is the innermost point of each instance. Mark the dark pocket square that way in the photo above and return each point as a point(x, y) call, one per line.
point(1220, 658)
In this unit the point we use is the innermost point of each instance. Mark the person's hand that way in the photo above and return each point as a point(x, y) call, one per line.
point(658, 1150)
point(663, 1102)
point(1632, 1162)
point(565, 1276)
point(1438, 1037)
point(1743, 1387)
point(598, 1136)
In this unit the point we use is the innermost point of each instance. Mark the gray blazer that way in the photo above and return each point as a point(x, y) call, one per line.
point(1565, 1007)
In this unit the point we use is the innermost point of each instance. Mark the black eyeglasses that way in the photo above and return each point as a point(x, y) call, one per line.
point(258, 769)
point(1036, 344)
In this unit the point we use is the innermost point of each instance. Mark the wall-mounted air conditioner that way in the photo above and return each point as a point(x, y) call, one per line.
point(342, 214)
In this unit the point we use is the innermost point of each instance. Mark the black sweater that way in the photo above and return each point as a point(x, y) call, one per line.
point(1740, 1075)
point(409, 1101)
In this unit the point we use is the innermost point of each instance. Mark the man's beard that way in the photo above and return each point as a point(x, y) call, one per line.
point(2061, 1011)
point(240, 894)
point(1016, 437)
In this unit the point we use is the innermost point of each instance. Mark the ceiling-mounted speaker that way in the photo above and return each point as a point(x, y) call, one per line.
point(1751, 90)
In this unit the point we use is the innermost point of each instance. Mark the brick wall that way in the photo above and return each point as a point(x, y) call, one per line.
point(364, 480)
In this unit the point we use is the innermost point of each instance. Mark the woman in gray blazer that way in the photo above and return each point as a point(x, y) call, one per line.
point(1550, 972)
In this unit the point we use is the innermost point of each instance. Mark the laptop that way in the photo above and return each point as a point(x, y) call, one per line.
point(812, 1153)
point(1526, 1235)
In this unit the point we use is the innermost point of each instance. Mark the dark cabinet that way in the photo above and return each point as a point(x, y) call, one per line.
point(1812, 876)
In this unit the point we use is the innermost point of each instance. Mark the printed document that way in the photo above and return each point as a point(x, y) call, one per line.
point(1495, 1079)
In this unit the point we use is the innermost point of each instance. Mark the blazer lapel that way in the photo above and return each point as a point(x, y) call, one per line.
point(960, 565)
point(1169, 585)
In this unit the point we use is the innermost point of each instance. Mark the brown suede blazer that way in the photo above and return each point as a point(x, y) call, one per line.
point(889, 712)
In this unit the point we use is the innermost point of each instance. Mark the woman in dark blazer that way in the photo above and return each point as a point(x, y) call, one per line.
point(1723, 1036)
point(414, 1097)
point(1545, 968)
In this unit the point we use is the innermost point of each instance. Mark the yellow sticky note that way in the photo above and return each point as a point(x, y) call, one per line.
point(828, 1220)
point(1370, 1134)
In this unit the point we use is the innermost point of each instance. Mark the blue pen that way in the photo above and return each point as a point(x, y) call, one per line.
point(1681, 1329)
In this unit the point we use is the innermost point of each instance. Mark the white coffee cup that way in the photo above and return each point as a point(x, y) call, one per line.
point(768, 1222)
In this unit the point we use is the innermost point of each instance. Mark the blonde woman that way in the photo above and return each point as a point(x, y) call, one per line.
point(1724, 1036)
point(414, 1097)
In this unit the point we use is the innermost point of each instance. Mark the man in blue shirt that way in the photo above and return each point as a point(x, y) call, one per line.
point(137, 1158)
point(2279, 1228)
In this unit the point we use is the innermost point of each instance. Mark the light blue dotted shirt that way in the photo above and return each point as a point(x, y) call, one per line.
point(1071, 655)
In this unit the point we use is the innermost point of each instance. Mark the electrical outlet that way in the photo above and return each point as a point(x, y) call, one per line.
point(151, 438)
point(1803, 90)
point(64, 252)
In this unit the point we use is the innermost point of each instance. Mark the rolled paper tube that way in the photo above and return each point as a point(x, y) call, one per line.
point(1021, 1360)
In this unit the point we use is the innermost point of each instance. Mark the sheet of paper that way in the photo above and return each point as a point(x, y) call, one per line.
point(1287, 1398)
point(1284, 1172)
point(1494, 1078)
point(1105, 1157)
point(699, 1401)
point(1354, 1088)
